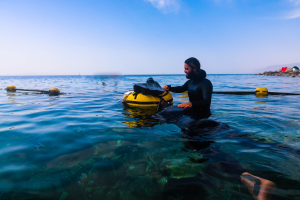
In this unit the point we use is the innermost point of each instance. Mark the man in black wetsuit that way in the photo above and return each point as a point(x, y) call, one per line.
point(199, 89)
point(200, 92)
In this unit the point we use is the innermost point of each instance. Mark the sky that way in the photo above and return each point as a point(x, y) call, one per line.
point(71, 37)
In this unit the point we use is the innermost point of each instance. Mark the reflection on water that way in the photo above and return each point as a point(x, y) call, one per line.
point(261, 100)
point(86, 145)
point(142, 116)
point(184, 98)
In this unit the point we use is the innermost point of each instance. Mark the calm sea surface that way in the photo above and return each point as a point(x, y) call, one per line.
point(85, 145)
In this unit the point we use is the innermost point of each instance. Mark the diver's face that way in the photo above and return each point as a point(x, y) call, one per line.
point(188, 71)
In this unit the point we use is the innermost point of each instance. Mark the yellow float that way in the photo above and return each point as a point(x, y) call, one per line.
point(261, 91)
point(11, 88)
point(54, 91)
point(135, 99)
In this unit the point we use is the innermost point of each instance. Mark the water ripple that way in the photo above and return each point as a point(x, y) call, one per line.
point(84, 145)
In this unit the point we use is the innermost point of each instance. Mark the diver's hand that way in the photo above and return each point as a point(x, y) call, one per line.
point(166, 88)
point(185, 105)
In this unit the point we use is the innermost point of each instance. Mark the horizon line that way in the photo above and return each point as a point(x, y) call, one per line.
point(122, 74)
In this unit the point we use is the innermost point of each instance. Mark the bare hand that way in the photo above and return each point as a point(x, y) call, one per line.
point(185, 105)
point(166, 88)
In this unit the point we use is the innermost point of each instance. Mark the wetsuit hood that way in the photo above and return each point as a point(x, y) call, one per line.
point(200, 75)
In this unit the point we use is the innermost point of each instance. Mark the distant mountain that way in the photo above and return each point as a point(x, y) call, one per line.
point(275, 67)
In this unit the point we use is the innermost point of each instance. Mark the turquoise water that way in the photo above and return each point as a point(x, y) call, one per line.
point(85, 145)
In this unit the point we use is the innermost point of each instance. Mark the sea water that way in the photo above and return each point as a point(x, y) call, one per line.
point(85, 144)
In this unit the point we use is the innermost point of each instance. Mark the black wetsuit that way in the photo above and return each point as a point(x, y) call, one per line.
point(200, 91)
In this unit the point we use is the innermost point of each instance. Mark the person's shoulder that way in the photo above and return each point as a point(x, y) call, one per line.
point(207, 81)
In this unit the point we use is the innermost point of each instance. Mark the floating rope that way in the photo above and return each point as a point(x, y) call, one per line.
point(249, 92)
point(51, 91)
point(258, 92)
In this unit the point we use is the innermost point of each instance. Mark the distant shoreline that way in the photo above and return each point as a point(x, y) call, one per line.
point(289, 74)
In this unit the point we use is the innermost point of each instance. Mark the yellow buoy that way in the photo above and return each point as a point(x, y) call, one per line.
point(11, 88)
point(139, 100)
point(54, 91)
point(261, 91)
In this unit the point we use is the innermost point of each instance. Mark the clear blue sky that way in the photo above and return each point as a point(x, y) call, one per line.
point(39, 37)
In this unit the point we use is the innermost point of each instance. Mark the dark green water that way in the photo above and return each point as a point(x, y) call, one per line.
point(84, 145)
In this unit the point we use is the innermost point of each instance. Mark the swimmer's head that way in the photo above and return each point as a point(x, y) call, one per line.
point(191, 67)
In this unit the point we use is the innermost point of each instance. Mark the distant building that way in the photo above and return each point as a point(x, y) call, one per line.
point(289, 69)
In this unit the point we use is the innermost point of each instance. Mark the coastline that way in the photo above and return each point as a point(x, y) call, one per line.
point(289, 74)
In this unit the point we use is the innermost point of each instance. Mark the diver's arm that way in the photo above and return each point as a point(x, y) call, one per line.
point(179, 89)
point(206, 90)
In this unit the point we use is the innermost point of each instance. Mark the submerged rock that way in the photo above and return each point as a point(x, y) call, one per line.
point(162, 182)
point(126, 195)
point(108, 172)
point(188, 188)
point(99, 193)
point(63, 196)
point(138, 169)
point(132, 153)
point(145, 188)
point(180, 168)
